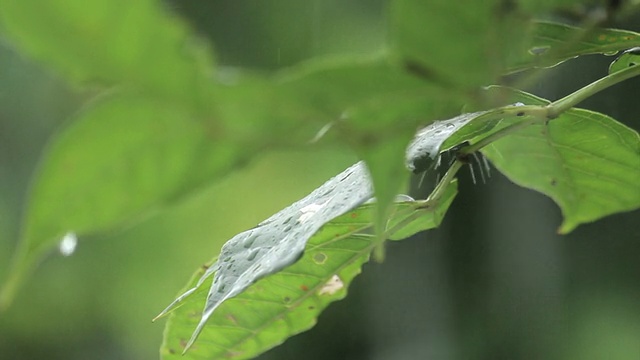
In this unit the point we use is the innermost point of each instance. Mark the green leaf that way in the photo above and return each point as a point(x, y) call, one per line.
point(629, 58)
point(132, 43)
point(124, 156)
point(288, 302)
point(280, 240)
point(459, 43)
point(552, 43)
point(587, 162)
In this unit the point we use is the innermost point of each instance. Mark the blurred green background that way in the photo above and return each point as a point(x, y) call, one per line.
point(494, 282)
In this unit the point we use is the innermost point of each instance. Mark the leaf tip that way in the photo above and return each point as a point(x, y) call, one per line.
point(566, 227)
point(192, 340)
point(158, 317)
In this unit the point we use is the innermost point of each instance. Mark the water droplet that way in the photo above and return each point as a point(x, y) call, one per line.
point(253, 254)
point(633, 51)
point(539, 50)
point(403, 198)
point(610, 53)
point(246, 243)
point(309, 211)
point(67, 245)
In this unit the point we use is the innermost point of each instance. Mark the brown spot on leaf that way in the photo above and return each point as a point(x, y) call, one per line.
point(232, 318)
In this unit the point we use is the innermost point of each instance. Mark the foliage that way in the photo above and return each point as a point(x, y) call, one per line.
point(157, 133)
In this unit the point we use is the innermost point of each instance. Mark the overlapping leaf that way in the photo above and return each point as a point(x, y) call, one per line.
point(289, 301)
point(487, 40)
point(459, 43)
point(587, 162)
point(549, 44)
point(113, 42)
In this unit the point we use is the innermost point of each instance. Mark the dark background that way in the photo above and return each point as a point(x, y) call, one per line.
point(495, 281)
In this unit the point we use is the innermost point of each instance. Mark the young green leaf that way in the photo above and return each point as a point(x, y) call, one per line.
point(587, 162)
point(285, 303)
point(551, 43)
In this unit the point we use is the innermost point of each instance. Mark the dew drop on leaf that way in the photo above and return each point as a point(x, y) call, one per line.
point(246, 243)
point(539, 50)
point(67, 245)
point(253, 254)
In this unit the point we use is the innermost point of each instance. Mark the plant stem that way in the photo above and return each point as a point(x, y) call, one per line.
point(497, 135)
point(558, 107)
point(432, 200)
point(537, 113)
point(437, 193)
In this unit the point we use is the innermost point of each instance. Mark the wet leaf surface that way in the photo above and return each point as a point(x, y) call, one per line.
point(272, 308)
point(280, 241)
